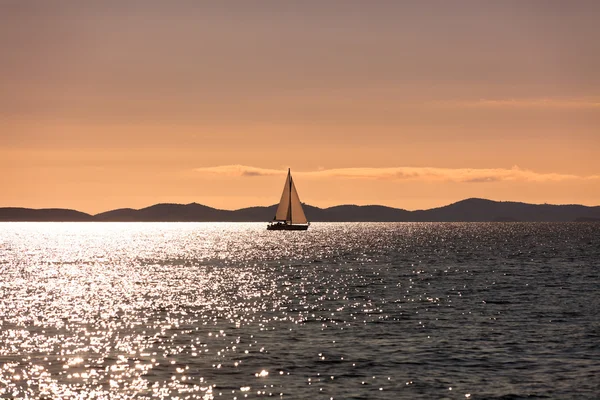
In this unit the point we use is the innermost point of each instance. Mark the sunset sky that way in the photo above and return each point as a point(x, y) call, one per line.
point(411, 104)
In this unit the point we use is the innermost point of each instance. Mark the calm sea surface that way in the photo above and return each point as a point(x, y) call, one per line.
point(343, 311)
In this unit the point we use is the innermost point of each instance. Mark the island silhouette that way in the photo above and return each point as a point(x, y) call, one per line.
point(468, 210)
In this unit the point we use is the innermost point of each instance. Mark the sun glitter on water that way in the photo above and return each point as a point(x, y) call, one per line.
point(211, 310)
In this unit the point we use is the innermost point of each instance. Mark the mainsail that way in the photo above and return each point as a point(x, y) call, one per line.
point(290, 209)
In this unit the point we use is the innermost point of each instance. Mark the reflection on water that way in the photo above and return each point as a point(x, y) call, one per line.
point(122, 310)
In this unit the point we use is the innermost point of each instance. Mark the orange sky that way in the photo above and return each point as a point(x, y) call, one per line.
point(114, 104)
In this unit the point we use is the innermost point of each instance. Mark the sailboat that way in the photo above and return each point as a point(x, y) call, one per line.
point(289, 215)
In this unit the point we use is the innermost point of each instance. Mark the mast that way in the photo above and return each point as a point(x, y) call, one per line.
point(290, 196)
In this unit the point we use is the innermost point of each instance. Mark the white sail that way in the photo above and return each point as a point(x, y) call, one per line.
point(284, 204)
point(290, 209)
point(297, 216)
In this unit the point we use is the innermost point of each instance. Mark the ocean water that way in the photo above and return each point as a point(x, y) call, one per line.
point(342, 311)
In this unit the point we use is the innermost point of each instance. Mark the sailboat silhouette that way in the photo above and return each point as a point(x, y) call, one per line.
point(289, 215)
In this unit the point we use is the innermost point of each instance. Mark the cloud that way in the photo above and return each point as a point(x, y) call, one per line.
point(531, 103)
point(424, 174)
point(239, 170)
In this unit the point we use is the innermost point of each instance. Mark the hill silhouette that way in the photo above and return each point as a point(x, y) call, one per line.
point(46, 214)
point(166, 213)
point(469, 210)
point(473, 210)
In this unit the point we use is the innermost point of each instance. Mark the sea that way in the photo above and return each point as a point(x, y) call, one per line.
point(341, 311)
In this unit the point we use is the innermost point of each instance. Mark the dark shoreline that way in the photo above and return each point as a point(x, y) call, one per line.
point(469, 210)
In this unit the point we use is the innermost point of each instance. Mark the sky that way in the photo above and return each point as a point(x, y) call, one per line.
point(411, 104)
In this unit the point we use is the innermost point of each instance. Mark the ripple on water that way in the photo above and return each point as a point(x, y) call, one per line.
point(408, 310)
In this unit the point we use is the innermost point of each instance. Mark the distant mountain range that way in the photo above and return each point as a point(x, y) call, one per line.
point(469, 210)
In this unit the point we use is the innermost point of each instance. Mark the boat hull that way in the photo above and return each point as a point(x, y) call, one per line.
point(286, 227)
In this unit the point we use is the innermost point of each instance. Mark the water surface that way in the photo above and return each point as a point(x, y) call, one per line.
point(356, 310)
